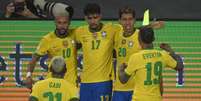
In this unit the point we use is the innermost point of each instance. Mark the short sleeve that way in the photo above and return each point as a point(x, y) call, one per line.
point(74, 92)
point(35, 92)
point(169, 61)
point(42, 47)
point(117, 35)
point(78, 33)
point(132, 65)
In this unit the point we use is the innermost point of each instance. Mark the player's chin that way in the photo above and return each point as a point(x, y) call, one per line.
point(94, 26)
point(128, 27)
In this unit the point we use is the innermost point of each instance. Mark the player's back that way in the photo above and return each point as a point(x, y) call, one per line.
point(54, 89)
point(148, 66)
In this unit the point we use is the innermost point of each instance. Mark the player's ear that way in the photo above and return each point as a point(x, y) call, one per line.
point(51, 69)
point(64, 69)
point(86, 17)
point(100, 16)
point(119, 20)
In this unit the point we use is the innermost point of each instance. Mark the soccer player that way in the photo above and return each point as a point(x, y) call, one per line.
point(126, 43)
point(147, 67)
point(97, 41)
point(60, 42)
point(55, 88)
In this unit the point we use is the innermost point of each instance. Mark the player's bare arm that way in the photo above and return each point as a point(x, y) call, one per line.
point(123, 77)
point(157, 24)
point(178, 58)
point(33, 62)
point(31, 67)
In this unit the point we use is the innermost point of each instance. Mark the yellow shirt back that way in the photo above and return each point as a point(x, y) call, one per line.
point(54, 89)
point(97, 53)
point(125, 47)
point(66, 47)
point(147, 69)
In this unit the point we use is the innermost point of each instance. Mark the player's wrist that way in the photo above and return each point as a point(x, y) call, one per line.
point(29, 74)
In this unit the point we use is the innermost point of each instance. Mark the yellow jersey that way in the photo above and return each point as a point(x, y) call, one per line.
point(54, 89)
point(66, 47)
point(97, 53)
point(147, 69)
point(125, 47)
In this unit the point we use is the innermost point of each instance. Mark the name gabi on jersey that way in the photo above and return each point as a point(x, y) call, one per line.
point(151, 55)
point(54, 85)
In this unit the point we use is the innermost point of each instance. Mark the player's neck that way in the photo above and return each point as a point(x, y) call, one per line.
point(148, 46)
point(129, 33)
point(97, 29)
point(57, 76)
point(61, 36)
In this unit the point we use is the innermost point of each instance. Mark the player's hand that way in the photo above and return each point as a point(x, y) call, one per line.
point(123, 66)
point(166, 47)
point(157, 24)
point(29, 82)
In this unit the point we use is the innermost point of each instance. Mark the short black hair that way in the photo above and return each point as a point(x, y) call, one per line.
point(70, 10)
point(92, 8)
point(147, 35)
point(126, 10)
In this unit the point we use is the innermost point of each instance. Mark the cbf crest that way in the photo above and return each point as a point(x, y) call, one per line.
point(73, 42)
point(130, 43)
point(103, 34)
point(65, 43)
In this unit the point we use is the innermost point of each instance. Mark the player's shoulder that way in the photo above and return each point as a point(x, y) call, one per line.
point(71, 32)
point(110, 25)
point(117, 27)
point(41, 83)
point(82, 28)
point(137, 54)
point(68, 84)
point(164, 53)
point(137, 30)
point(160, 51)
point(49, 35)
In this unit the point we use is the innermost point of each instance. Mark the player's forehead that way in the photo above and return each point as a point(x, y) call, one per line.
point(96, 15)
point(127, 15)
point(61, 18)
point(19, 0)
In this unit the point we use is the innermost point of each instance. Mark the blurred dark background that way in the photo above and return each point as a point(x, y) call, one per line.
point(160, 9)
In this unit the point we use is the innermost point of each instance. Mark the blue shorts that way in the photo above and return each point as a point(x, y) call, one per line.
point(122, 96)
point(101, 91)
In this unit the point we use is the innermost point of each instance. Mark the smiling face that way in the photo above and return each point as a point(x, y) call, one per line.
point(127, 21)
point(62, 24)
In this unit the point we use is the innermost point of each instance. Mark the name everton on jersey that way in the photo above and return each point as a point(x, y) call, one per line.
point(151, 55)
